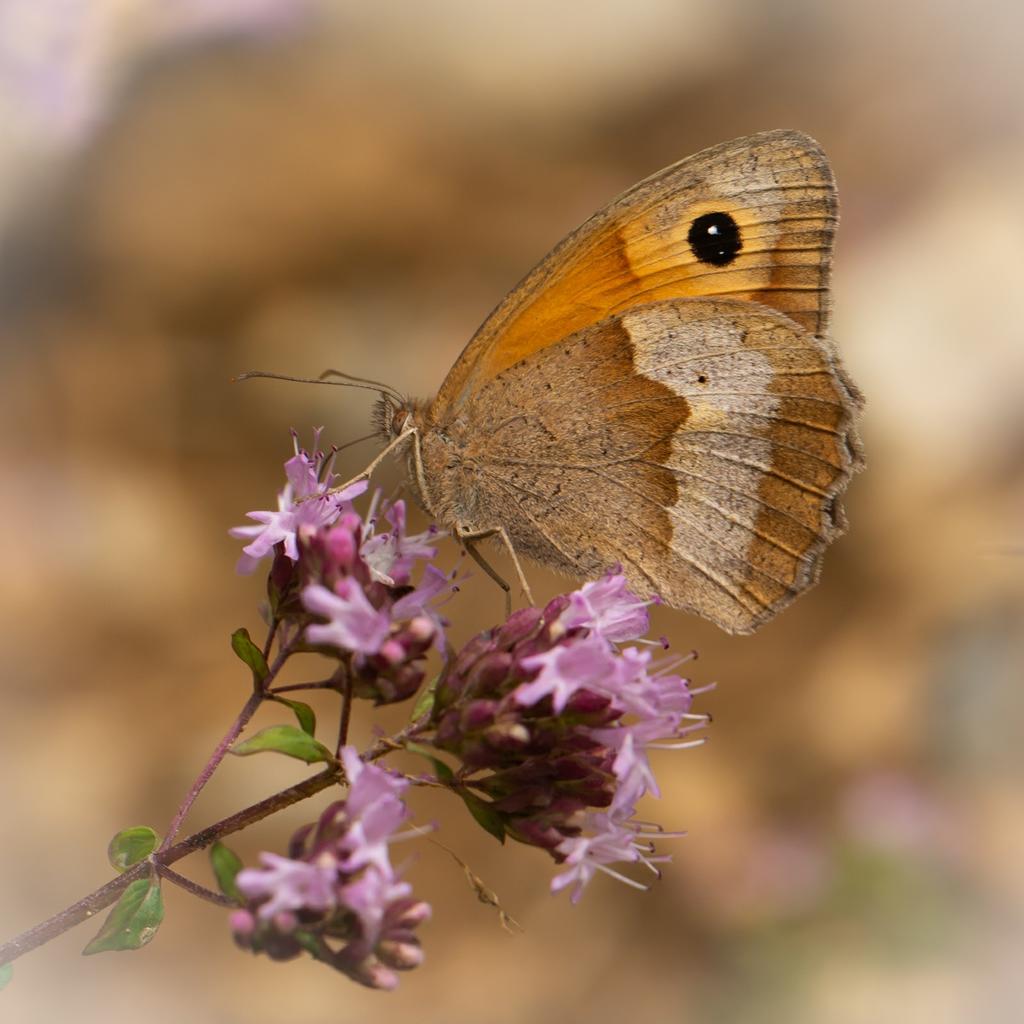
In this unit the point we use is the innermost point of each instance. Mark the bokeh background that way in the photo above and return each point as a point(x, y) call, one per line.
point(188, 190)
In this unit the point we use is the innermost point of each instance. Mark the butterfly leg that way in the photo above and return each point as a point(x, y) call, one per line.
point(468, 537)
point(491, 571)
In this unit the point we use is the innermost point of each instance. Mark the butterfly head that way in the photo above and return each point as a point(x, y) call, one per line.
point(392, 415)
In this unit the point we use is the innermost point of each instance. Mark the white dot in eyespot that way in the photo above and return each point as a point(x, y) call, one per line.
point(713, 230)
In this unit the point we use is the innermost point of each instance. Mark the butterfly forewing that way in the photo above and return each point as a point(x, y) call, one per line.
point(776, 188)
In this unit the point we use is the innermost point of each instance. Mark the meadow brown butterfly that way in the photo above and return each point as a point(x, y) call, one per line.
point(658, 393)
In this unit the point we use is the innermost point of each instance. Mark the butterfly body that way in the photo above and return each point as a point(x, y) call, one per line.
point(658, 394)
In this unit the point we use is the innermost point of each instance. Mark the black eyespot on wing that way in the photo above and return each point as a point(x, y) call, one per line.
point(715, 238)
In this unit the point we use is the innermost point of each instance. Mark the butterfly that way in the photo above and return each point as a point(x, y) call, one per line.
point(659, 394)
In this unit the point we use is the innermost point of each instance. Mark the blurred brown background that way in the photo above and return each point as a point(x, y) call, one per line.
point(191, 190)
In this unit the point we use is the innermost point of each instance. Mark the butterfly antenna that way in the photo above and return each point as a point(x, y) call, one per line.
point(383, 388)
point(355, 382)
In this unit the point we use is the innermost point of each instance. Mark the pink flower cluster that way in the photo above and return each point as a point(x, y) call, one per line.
point(302, 506)
point(348, 586)
point(564, 719)
point(337, 895)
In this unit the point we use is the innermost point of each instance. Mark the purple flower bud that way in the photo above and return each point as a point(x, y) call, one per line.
point(520, 625)
point(375, 975)
point(403, 956)
point(243, 925)
point(507, 734)
point(471, 653)
point(554, 608)
point(279, 947)
point(341, 546)
point(283, 574)
point(478, 714)
point(285, 922)
point(537, 833)
point(392, 651)
point(411, 914)
point(448, 734)
point(422, 629)
point(586, 702)
point(489, 672)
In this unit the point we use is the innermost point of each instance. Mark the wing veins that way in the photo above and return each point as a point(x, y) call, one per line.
point(704, 500)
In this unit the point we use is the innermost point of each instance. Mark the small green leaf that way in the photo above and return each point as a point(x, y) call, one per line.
point(133, 921)
point(486, 816)
point(6, 973)
point(131, 845)
point(425, 701)
point(242, 645)
point(443, 772)
point(303, 712)
point(226, 865)
point(309, 942)
point(284, 739)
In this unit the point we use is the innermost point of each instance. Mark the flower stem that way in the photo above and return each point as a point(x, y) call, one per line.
point(346, 714)
point(107, 894)
point(240, 722)
point(323, 684)
point(389, 744)
point(195, 888)
point(271, 633)
point(220, 751)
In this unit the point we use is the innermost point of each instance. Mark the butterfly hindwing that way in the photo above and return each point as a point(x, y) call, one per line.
point(703, 450)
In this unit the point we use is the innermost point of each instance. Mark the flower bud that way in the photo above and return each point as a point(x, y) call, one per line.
point(279, 947)
point(341, 546)
point(508, 734)
point(392, 651)
point(376, 975)
point(285, 922)
point(243, 927)
point(403, 956)
point(422, 629)
point(477, 715)
point(412, 915)
point(489, 672)
point(520, 625)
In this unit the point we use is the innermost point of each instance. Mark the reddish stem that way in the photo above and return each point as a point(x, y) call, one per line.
point(220, 751)
point(107, 894)
point(346, 714)
point(195, 888)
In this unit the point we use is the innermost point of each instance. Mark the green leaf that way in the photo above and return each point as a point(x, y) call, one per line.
point(425, 701)
point(226, 865)
point(131, 845)
point(284, 739)
point(484, 813)
point(443, 772)
point(6, 973)
point(303, 712)
point(242, 645)
point(309, 942)
point(486, 816)
point(133, 921)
